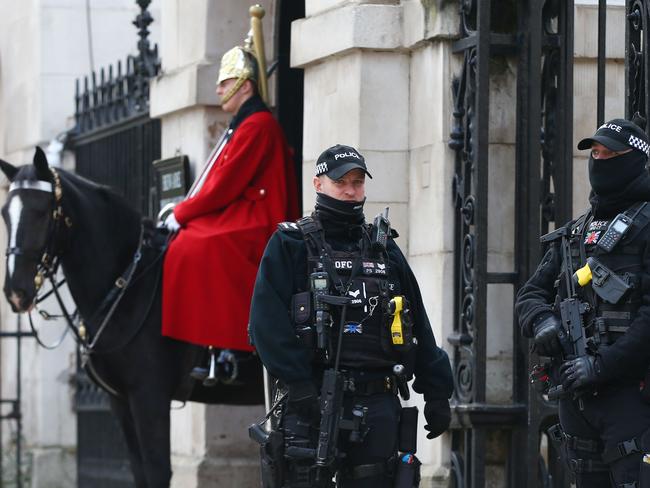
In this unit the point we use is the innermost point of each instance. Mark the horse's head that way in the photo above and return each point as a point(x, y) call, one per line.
point(29, 219)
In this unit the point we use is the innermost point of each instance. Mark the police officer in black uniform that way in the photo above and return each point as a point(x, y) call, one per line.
point(335, 253)
point(601, 260)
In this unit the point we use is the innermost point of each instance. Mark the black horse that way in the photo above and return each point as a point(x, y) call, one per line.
point(114, 275)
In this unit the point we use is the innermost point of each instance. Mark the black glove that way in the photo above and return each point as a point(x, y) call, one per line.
point(438, 416)
point(303, 400)
point(579, 372)
point(546, 338)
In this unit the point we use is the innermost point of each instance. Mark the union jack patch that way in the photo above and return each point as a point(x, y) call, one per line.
point(353, 328)
point(592, 237)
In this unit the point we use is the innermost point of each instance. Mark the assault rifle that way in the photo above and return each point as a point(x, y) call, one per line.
point(326, 452)
point(331, 404)
point(572, 309)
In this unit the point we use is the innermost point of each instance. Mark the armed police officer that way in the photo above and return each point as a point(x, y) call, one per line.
point(587, 307)
point(337, 317)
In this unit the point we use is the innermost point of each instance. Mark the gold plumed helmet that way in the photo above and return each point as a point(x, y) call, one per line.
point(239, 63)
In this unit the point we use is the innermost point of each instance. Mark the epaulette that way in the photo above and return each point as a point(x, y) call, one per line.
point(288, 227)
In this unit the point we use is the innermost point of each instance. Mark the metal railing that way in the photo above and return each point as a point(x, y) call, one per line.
point(13, 413)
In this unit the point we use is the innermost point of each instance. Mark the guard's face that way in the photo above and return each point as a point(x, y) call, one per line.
point(598, 151)
point(233, 104)
point(351, 187)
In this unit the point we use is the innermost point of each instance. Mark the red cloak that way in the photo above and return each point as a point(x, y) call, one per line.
point(211, 264)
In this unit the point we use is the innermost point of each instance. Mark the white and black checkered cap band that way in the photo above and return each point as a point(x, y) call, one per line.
point(31, 185)
point(639, 144)
point(321, 168)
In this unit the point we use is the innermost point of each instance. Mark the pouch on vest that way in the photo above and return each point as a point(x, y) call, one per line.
point(301, 315)
point(408, 430)
point(605, 282)
point(407, 474)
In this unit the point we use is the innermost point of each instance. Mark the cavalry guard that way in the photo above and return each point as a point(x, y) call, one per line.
point(247, 186)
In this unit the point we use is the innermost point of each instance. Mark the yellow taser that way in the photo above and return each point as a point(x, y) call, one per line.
point(396, 330)
point(583, 275)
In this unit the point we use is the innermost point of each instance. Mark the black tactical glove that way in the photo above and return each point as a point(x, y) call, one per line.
point(303, 400)
point(438, 416)
point(579, 372)
point(546, 337)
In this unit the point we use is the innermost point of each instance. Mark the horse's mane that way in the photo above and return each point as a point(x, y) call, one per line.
point(83, 188)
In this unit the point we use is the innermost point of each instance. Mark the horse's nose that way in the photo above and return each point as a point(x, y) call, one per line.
point(19, 301)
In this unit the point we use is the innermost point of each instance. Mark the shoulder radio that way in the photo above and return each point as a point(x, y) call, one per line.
point(615, 232)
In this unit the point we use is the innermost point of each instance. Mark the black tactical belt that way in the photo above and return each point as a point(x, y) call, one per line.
point(387, 384)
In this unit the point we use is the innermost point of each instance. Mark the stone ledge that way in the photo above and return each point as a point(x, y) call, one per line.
point(183, 88)
point(342, 29)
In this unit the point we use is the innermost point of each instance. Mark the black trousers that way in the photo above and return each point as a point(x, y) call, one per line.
point(612, 416)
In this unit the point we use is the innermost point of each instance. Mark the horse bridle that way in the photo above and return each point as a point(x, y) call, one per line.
point(47, 258)
point(48, 261)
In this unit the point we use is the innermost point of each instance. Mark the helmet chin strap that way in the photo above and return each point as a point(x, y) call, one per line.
point(229, 94)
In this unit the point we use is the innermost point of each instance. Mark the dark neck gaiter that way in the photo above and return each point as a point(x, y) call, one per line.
point(333, 210)
point(609, 176)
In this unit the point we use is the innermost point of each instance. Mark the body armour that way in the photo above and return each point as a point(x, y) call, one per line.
point(605, 322)
point(365, 277)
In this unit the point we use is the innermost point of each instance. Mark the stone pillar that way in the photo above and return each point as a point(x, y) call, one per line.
point(210, 444)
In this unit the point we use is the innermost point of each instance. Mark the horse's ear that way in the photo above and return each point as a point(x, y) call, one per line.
point(8, 169)
point(40, 162)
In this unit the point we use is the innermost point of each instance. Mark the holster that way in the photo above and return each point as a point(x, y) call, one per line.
point(272, 461)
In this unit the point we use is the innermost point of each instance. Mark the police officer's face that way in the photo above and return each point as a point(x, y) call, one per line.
point(351, 187)
point(598, 151)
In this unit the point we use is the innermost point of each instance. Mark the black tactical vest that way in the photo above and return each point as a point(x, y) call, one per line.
point(606, 322)
point(365, 277)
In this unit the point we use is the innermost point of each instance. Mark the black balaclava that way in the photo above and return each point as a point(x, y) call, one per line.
point(611, 175)
point(332, 209)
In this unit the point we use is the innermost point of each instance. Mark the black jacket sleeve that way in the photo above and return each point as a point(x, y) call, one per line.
point(271, 328)
point(433, 376)
point(631, 352)
point(535, 299)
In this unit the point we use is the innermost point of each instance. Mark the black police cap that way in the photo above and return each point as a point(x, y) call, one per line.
point(619, 135)
point(338, 160)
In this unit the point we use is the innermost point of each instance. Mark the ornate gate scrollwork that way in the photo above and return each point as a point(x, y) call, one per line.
point(542, 190)
point(637, 61)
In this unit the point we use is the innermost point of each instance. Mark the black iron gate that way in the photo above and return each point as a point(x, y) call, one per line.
point(12, 466)
point(115, 142)
point(540, 38)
